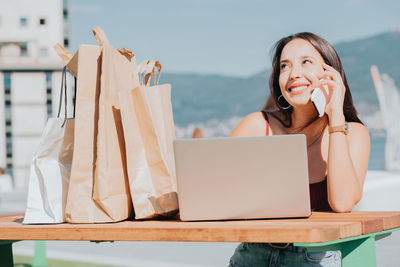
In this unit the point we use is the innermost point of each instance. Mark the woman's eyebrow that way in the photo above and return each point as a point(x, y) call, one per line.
point(303, 57)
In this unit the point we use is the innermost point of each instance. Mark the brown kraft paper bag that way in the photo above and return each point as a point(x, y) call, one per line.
point(149, 134)
point(80, 207)
point(111, 186)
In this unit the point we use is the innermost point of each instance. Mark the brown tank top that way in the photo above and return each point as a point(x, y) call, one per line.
point(318, 191)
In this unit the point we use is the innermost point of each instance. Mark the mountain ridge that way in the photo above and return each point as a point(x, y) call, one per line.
point(203, 97)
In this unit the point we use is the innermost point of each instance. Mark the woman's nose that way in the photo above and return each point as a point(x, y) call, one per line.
point(295, 72)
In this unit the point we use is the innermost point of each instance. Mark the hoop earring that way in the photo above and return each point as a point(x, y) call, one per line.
point(280, 105)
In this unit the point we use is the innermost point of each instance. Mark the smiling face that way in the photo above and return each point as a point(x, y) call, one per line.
point(298, 60)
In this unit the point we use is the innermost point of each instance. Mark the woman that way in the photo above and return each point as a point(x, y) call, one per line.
point(337, 143)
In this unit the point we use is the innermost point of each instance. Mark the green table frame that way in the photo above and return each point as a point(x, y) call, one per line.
point(357, 251)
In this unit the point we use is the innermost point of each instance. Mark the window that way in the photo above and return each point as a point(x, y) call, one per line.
point(42, 21)
point(49, 102)
point(7, 98)
point(49, 110)
point(7, 116)
point(7, 95)
point(24, 49)
point(7, 80)
point(48, 81)
point(23, 21)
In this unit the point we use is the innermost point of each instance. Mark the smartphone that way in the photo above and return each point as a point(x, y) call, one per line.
point(319, 100)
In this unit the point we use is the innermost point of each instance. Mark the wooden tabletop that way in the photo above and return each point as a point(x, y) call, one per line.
point(320, 227)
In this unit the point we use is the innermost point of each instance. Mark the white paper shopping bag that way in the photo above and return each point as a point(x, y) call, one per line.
point(51, 169)
point(50, 172)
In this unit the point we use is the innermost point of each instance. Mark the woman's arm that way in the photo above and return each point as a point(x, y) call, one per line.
point(347, 167)
point(347, 154)
point(252, 125)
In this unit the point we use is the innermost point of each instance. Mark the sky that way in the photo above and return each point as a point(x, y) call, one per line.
point(228, 37)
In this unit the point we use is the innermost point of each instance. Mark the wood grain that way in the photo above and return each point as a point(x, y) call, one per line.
point(391, 219)
point(369, 224)
point(320, 227)
point(225, 231)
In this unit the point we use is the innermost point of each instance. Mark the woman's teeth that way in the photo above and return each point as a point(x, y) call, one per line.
point(297, 88)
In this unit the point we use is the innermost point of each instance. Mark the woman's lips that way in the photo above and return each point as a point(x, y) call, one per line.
point(298, 89)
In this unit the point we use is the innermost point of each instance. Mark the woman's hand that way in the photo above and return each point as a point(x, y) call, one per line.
point(335, 97)
point(337, 90)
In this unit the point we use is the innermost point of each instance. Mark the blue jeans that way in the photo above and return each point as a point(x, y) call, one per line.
point(261, 254)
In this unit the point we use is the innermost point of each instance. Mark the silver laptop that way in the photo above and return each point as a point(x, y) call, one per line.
point(242, 177)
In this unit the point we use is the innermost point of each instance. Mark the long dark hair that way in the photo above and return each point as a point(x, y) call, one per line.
point(330, 57)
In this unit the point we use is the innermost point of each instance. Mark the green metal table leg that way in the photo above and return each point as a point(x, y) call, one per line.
point(6, 255)
point(359, 253)
point(39, 259)
point(356, 251)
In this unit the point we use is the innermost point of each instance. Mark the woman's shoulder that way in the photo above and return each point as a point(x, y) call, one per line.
point(358, 133)
point(253, 124)
point(357, 129)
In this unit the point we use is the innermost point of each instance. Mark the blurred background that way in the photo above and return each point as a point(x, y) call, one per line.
point(216, 55)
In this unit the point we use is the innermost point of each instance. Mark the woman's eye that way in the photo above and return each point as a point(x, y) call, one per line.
point(283, 66)
point(306, 61)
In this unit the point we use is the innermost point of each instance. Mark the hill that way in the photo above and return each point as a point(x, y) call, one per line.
point(200, 98)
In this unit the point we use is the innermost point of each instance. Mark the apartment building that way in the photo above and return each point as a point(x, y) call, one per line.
point(30, 77)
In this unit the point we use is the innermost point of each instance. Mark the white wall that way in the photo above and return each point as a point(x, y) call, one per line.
point(21, 177)
point(38, 36)
point(28, 120)
point(28, 88)
point(23, 150)
point(29, 116)
point(28, 99)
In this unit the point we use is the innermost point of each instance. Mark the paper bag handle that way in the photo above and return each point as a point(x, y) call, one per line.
point(147, 69)
point(127, 53)
point(100, 36)
point(149, 72)
point(63, 94)
point(62, 52)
